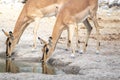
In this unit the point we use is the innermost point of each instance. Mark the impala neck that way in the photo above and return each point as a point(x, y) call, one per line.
point(58, 28)
point(20, 25)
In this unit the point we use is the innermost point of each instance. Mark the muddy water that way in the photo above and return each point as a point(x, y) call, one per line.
point(18, 66)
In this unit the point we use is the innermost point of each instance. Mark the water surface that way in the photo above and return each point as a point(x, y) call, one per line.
point(17, 66)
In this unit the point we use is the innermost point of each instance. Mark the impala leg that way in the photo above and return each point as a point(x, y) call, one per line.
point(97, 33)
point(35, 32)
point(77, 37)
point(71, 34)
point(68, 40)
point(89, 28)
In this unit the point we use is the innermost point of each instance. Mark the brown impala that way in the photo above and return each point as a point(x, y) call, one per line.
point(71, 13)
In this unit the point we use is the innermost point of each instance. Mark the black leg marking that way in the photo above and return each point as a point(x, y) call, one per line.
point(69, 41)
point(99, 43)
point(78, 41)
point(86, 45)
point(91, 28)
point(50, 38)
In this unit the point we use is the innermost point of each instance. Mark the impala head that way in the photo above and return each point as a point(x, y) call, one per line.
point(46, 47)
point(9, 43)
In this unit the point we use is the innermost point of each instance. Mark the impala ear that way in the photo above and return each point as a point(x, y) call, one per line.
point(11, 34)
point(6, 33)
point(42, 41)
point(50, 41)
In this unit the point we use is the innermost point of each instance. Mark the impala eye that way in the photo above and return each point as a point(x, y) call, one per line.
point(9, 44)
point(47, 50)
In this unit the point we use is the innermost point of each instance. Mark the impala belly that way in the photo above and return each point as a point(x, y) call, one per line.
point(82, 15)
point(50, 10)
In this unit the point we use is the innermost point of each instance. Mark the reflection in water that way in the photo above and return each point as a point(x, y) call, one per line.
point(10, 66)
point(47, 69)
point(14, 68)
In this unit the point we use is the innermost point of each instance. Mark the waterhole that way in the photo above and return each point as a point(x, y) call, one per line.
point(33, 65)
point(17, 66)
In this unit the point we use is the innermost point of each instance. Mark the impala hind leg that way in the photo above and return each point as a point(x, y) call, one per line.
point(77, 38)
point(89, 28)
point(94, 18)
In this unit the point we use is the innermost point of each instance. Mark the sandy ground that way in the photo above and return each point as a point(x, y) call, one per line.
point(87, 66)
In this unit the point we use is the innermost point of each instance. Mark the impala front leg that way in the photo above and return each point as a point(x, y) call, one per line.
point(94, 18)
point(71, 28)
point(77, 37)
point(35, 32)
point(68, 39)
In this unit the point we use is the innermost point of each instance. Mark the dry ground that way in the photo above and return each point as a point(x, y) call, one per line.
point(103, 66)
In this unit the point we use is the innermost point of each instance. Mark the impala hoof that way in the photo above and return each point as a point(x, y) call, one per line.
point(72, 56)
point(33, 48)
point(67, 49)
point(97, 52)
point(81, 52)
